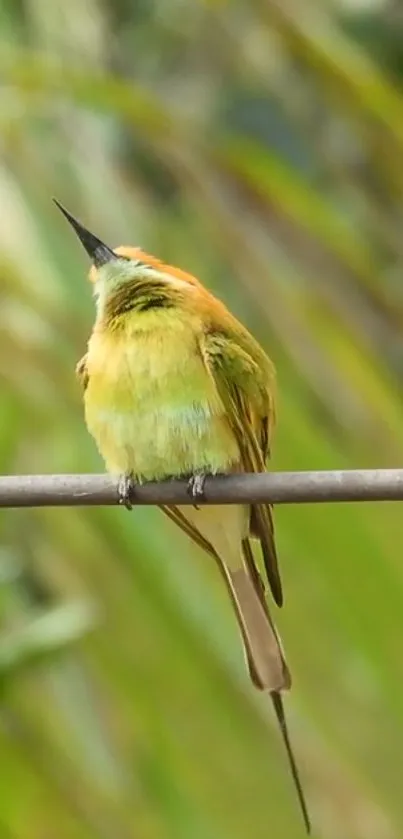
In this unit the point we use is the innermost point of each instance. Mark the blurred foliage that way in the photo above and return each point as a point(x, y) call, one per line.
point(258, 145)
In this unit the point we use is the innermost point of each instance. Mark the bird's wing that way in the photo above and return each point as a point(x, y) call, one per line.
point(248, 401)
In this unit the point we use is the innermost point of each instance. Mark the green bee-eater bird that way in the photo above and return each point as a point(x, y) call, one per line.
point(175, 386)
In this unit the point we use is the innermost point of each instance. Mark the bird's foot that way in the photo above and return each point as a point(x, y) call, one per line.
point(126, 487)
point(196, 488)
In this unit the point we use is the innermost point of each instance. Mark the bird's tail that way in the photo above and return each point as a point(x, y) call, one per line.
point(280, 715)
point(221, 532)
point(266, 660)
point(267, 665)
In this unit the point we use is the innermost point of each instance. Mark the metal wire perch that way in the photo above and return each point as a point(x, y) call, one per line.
point(274, 487)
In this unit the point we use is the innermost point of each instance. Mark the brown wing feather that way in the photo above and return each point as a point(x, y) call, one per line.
point(261, 514)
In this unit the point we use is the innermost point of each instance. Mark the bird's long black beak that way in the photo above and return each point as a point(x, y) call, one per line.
point(99, 253)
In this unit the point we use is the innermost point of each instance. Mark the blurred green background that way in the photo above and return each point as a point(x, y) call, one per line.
point(259, 145)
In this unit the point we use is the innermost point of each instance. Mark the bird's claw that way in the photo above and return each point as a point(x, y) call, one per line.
point(126, 487)
point(196, 488)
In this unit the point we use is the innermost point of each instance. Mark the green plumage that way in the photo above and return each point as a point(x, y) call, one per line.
point(158, 376)
point(175, 386)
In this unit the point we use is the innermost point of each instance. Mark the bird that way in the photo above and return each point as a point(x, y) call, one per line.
point(175, 386)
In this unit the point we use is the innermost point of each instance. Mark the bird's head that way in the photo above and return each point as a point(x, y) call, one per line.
point(112, 268)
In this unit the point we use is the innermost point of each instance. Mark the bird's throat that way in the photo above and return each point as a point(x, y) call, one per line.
point(118, 294)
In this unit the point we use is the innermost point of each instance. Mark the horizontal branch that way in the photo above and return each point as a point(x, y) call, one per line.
point(275, 487)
